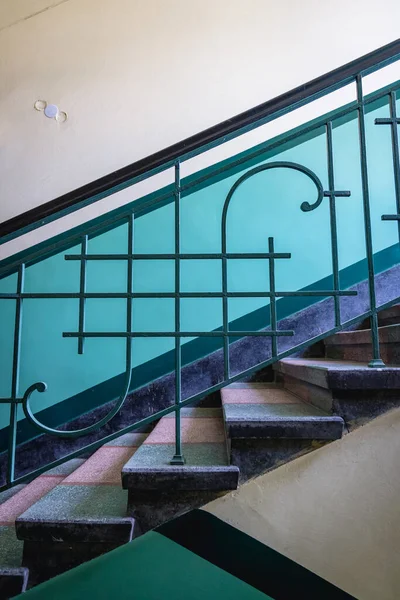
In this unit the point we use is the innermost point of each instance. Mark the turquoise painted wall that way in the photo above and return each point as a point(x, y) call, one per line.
point(266, 205)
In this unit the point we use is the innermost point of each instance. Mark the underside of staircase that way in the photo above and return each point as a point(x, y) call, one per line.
point(87, 507)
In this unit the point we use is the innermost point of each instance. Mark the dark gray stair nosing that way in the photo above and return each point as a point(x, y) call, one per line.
point(314, 428)
point(180, 478)
point(105, 530)
point(346, 375)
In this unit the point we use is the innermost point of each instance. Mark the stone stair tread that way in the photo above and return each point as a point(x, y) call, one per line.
point(387, 316)
point(356, 345)
point(15, 501)
point(387, 334)
point(249, 394)
point(97, 510)
point(339, 374)
point(6, 494)
point(204, 447)
point(275, 413)
point(88, 505)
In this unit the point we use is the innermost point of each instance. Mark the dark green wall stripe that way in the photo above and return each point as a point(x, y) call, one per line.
point(248, 559)
point(144, 374)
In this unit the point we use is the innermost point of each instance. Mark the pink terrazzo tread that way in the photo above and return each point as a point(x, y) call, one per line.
point(102, 468)
point(194, 431)
point(25, 498)
point(257, 395)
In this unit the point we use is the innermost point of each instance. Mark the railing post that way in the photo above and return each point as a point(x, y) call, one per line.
point(376, 357)
point(332, 211)
point(129, 299)
point(12, 435)
point(178, 458)
point(272, 307)
point(82, 290)
point(394, 122)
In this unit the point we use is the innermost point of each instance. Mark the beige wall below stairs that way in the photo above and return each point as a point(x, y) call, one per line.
point(334, 511)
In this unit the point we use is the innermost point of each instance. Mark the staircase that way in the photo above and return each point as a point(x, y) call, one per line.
point(158, 356)
point(90, 506)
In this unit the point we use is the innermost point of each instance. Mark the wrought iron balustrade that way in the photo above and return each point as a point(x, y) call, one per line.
point(331, 195)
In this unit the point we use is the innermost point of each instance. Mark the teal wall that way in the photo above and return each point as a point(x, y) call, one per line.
point(267, 204)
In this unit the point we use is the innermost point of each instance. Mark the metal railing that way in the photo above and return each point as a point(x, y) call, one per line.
point(23, 397)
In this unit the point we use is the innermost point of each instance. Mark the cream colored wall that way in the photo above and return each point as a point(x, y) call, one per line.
point(335, 510)
point(138, 75)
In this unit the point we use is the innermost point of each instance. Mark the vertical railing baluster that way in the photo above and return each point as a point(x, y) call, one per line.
point(129, 289)
point(225, 321)
point(396, 152)
point(12, 436)
point(332, 210)
point(274, 323)
point(393, 121)
point(82, 290)
point(178, 458)
point(376, 357)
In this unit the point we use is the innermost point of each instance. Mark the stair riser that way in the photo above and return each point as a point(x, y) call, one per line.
point(389, 316)
point(184, 481)
point(151, 509)
point(48, 559)
point(313, 394)
point(110, 533)
point(255, 457)
point(356, 407)
point(12, 582)
point(317, 430)
point(390, 353)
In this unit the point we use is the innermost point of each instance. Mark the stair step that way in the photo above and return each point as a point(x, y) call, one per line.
point(357, 346)
point(273, 412)
point(388, 316)
point(206, 461)
point(339, 374)
point(13, 503)
point(348, 389)
point(159, 491)
point(82, 517)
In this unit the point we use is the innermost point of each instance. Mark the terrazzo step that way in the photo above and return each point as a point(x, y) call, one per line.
point(349, 389)
point(267, 425)
point(82, 517)
point(13, 502)
point(159, 491)
point(256, 410)
point(356, 345)
point(388, 316)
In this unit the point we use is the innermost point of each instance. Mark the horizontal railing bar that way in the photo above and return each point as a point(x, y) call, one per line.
point(122, 295)
point(215, 388)
point(390, 217)
point(202, 141)
point(172, 334)
point(199, 256)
